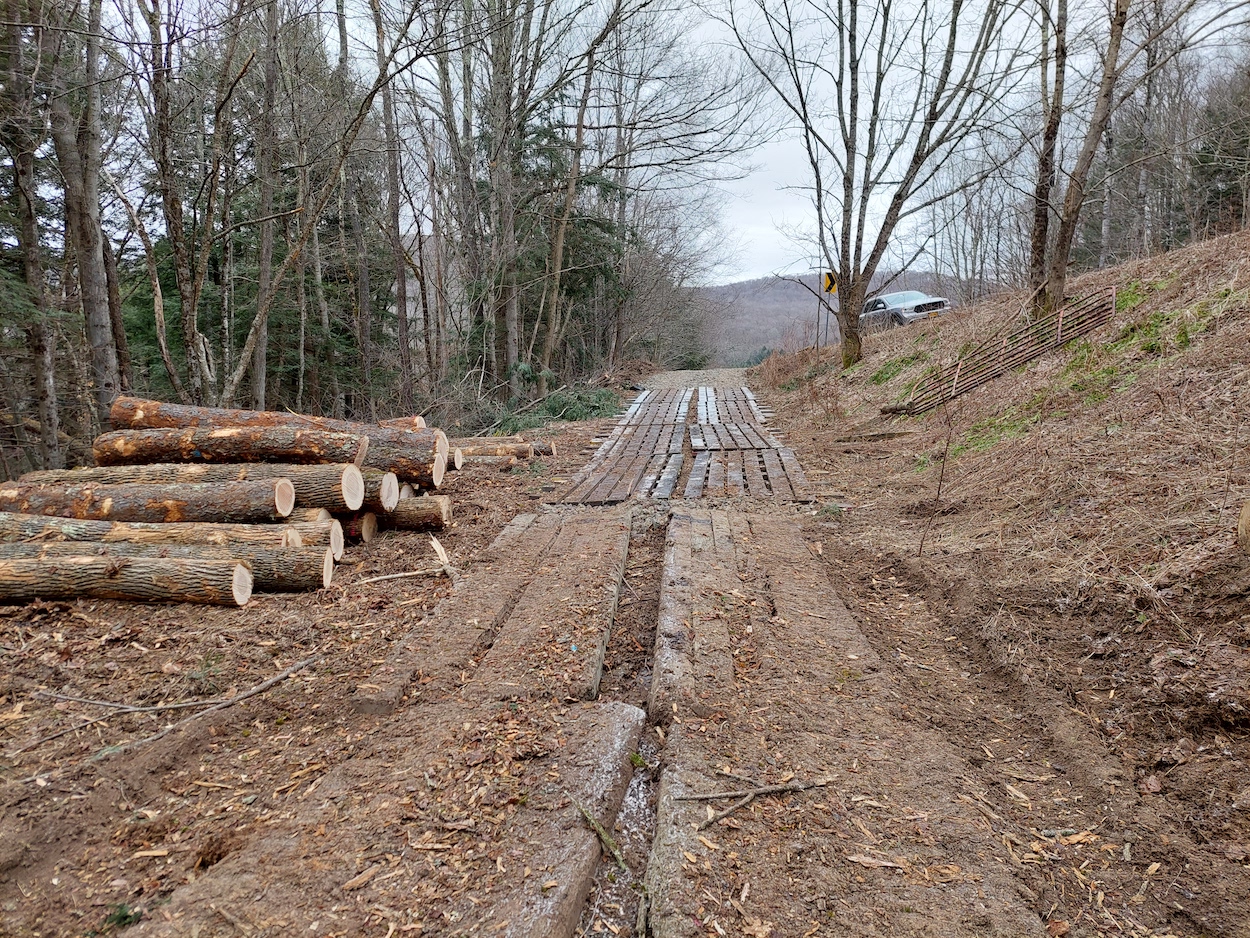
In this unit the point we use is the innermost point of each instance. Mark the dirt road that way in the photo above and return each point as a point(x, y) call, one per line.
point(659, 698)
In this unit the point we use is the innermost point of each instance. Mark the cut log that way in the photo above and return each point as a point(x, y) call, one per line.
point(361, 526)
point(232, 445)
point(432, 512)
point(322, 534)
point(1243, 528)
point(335, 486)
point(457, 459)
point(277, 570)
point(407, 490)
point(543, 448)
point(23, 527)
point(311, 514)
point(415, 422)
point(148, 579)
point(381, 491)
point(419, 458)
point(136, 414)
point(260, 500)
point(519, 450)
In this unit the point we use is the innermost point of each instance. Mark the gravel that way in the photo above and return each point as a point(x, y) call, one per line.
point(709, 377)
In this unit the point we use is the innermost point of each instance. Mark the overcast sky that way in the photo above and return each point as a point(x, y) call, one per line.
point(763, 212)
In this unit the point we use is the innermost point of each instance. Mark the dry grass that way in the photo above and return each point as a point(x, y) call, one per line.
point(1122, 457)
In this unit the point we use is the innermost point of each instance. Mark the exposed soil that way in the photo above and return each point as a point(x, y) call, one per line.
point(1033, 719)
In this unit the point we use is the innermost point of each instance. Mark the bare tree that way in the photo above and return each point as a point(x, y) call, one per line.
point(883, 95)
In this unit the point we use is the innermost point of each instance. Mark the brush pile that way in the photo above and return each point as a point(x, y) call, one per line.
point(203, 504)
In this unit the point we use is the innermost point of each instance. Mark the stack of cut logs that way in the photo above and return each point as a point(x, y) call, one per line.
point(202, 504)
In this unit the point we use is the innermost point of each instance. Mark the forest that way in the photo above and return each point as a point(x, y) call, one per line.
point(461, 208)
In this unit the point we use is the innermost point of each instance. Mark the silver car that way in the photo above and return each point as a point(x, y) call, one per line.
point(899, 309)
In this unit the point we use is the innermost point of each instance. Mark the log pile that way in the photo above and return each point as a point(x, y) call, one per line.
point(200, 504)
point(506, 451)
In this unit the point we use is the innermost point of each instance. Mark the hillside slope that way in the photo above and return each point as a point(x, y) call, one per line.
point(1073, 526)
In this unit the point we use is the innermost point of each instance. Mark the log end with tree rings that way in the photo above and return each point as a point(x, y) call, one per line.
point(441, 445)
point(291, 537)
point(284, 497)
point(388, 491)
point(337, 541)
point(362, 526)
point(241, 584)
point(457, 458)
point(407, 490)
point(438, 470)
point(328, 568)
point(353, 487)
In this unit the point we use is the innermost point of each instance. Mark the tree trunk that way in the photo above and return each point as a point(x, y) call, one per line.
point(1074, 198)
point(360, 526)
point(266, 147)
point(84, 220)
point(274, 569)
point(381, 491)
point(394, 231)
point(1052, 113)
point(146, 579)
point(321, 534)
point(420, 514)
point(124, 364)
point(255, 502)
point(237, 444)
point(339, 487)
point(23, 527)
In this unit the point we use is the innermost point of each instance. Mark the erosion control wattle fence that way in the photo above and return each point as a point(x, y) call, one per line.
point(999, 355)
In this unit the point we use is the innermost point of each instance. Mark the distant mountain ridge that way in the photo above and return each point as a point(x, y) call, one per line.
point(780, 313)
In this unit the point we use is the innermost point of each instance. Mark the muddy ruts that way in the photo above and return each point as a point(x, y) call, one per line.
point(151, 579)
point(274, 569)
point(337, 486)
point(418, 514)
point(23, 527)
point(260, 500)
point(237, 444)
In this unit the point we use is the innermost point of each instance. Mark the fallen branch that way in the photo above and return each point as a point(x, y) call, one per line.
point(225, 704)
point(746, 796)
point(400, 576)
point(761, 790)
point(609, 843)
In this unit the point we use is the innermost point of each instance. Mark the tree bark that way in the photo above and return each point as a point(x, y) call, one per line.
point(336, 486)
point(257, 501)
point(321, 534)
point(146, 579)
point(1052, 113)
point(23, 527)
point(360, 526)
point(274, 569)
point(266, 147)
point(431, 512)
point(1074, 198)
point(381, 491)
point(233, 444)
